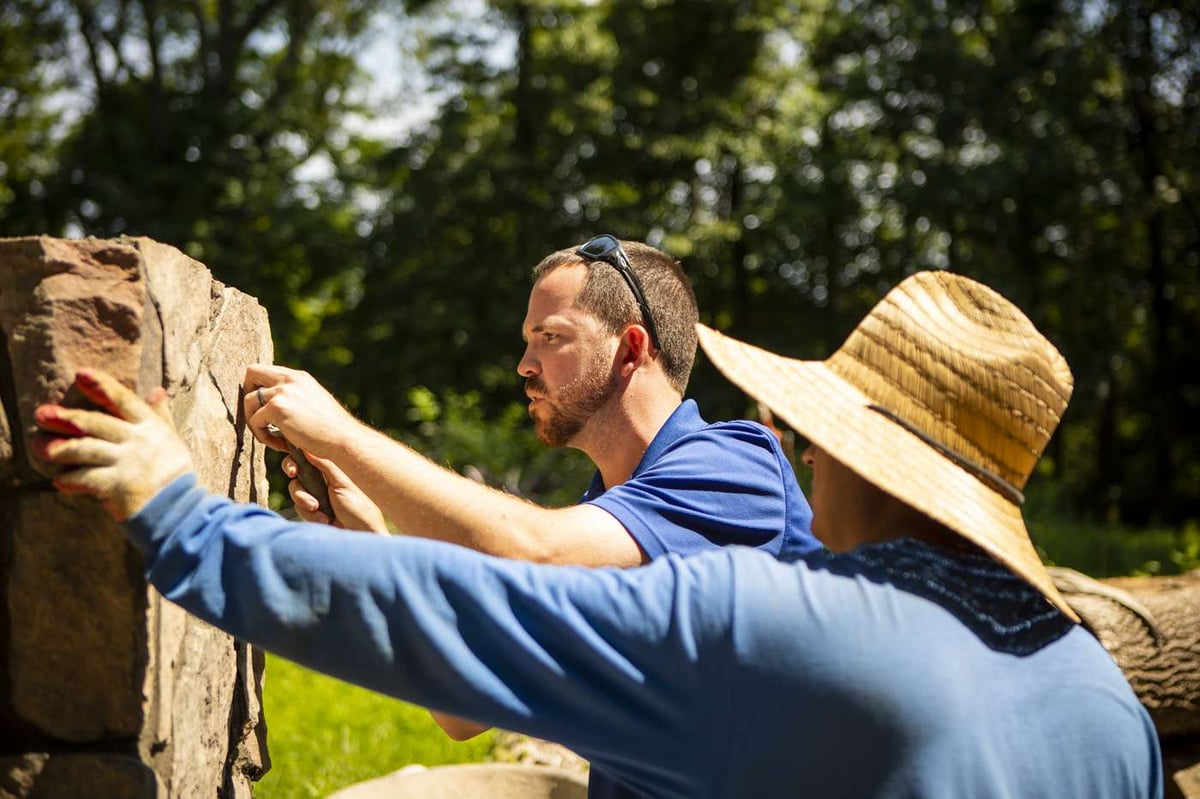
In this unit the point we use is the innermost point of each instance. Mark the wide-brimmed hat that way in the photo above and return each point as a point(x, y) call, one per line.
point(944, 396)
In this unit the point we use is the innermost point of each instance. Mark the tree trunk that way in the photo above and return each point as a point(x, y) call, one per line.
point(1151, 627)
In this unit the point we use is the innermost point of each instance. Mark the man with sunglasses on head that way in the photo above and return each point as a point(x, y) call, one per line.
point(610, 342)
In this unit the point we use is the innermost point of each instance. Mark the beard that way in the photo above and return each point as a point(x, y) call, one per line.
point(563, 415)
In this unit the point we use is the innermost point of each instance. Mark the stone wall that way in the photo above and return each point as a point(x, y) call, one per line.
point(106, 689)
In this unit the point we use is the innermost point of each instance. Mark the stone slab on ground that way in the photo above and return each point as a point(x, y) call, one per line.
point(472, 781)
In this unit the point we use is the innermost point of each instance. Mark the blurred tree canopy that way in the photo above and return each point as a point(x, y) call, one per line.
point(799, 158)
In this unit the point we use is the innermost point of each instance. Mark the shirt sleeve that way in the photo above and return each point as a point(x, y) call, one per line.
point(603, 660)
point(721, 485)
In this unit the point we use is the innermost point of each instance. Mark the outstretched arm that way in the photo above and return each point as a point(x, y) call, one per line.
point(422, 498)
point(607, 661)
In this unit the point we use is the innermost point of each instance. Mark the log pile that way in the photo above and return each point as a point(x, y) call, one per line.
point(1151, 627)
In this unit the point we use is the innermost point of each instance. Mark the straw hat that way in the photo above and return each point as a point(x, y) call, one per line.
point(944, 396)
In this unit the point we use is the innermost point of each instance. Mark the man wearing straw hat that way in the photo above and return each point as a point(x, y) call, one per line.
point(928, 654)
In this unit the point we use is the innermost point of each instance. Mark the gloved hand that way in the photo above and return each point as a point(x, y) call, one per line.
point(352, 509)
point(123, 455)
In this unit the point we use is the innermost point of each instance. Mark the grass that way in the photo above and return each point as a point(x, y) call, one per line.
point(324, 734)
point(1116, 551)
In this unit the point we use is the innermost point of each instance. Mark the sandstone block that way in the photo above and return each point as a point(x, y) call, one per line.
point(77, 639)
point(95, 658)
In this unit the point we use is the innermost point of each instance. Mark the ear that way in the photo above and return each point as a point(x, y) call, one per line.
point(634, 350)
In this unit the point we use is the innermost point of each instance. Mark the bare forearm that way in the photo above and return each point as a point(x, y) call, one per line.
point(420, 497)
point(424, 499)
point(457, 728)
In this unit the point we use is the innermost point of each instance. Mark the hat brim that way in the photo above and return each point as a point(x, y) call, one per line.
point(835, 416)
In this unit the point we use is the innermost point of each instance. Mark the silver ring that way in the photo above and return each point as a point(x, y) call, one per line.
point(262, 403)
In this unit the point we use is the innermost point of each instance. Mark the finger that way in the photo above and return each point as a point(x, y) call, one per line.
point(259, 429)
point(53, 419)
point(77, 451)
point(41, 444)
point(259, 422)
point(301, 498)
point(158, 403)
point(254, 399)
point(290, 469)
point(78, 422)
point(307, 507)
point(264, 376)
point(79, 481)
point(109, 393)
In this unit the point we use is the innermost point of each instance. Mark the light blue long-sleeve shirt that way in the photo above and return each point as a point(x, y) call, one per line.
point(894, 671)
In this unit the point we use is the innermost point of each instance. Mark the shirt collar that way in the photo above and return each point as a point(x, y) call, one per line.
point(1005, 612)
point(685, 419)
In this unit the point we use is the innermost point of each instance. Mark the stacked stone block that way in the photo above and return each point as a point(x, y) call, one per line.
point(105, 688)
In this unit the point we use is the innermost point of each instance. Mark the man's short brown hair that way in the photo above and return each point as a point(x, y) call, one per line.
point(668, 292)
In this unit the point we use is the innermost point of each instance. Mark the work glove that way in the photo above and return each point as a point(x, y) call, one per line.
point(122, 454)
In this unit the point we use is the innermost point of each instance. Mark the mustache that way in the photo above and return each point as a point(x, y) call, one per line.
point(535, 385)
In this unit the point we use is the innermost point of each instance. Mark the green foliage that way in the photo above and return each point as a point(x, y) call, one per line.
point(1106, 548)
point(326, 734)
point(196, 125)
point(1046, 148)
point(31, 45)
point(1117, 551)
point(800, 158)
point(500, 450)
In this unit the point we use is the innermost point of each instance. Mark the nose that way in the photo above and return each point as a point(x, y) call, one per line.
point(528, 366)
point(807, 456)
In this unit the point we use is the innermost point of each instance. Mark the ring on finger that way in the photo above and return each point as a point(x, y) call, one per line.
point(258, 393)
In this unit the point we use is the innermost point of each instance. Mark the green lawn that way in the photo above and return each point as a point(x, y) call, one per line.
point(324, 734)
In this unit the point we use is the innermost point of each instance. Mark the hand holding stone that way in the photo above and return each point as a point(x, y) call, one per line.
point(295, 405)
point(123, 454)
point(352, 508)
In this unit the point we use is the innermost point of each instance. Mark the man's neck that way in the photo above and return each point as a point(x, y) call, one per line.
point(617, 436)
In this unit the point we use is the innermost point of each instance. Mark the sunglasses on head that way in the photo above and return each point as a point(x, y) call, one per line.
point(608, 249)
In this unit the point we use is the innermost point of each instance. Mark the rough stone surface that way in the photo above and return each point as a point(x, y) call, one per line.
point(471, 781)
point(1181, 765)
point(77, 641)
point(512, 747)
point(82, 776)
point(96, 661)
point(67, 304)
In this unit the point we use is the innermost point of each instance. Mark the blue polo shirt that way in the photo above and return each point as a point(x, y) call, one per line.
point(701, 486)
